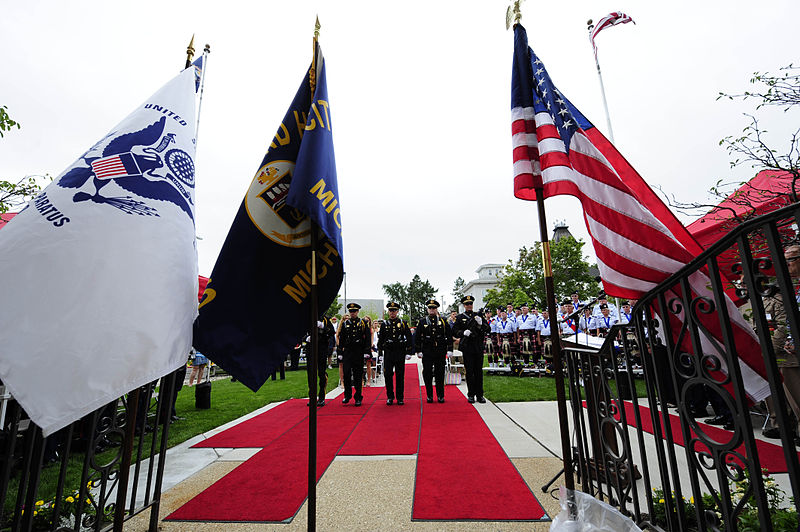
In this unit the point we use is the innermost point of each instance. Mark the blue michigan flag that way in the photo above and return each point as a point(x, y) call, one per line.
point(257, 305)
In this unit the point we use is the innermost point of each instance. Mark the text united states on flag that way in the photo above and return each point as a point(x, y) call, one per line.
point(638, 241)
point(612, 19)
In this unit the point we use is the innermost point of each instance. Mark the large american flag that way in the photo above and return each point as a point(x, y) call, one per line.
point(638, 241)
point(612, 19)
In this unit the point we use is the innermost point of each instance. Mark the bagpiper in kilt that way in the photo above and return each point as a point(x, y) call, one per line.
point(527, 325)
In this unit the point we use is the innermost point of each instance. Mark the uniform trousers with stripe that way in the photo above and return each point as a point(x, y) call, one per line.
point(394, 365)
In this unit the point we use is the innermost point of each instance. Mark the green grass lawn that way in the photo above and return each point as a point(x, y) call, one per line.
point(232, 400)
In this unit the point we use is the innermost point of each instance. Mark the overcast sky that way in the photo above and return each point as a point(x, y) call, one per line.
point(420, 102)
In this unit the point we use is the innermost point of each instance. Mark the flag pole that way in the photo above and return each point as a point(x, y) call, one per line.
point(206, 52)
point(602, 89)
point(312, 363)
point(514, 14)
point(190, 53)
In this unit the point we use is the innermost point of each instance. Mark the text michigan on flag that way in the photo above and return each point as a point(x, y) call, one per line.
point(257, 304)
point(638, 241)
point(99, 271)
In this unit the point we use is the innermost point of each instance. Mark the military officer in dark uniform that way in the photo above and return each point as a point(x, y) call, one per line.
point(434, 341)
point(394, 341)
point(470, 329)
point(355, 338)
point(324, 336)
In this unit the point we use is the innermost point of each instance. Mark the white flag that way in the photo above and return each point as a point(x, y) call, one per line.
point(98, 274)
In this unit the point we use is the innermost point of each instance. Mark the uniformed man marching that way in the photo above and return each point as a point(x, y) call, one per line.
point(355, 338)
point(324, 336)
point(394, 341)
point(470, 329)
point(434, 341)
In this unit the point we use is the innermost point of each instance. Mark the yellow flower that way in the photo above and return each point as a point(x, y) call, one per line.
point(35, 512)
point(69, 499)
point(691, 499)
point(88, 501)
point(661, 501)
point(39, 503)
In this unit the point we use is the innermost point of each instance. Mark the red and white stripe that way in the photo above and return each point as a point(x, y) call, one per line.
point(635, 249)
point(612, 19)
point(109, 167)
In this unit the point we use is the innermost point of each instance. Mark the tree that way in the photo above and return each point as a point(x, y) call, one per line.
point(457, 293)
point(335, 307)
point(523, 280)
point(411, 297)
point(752, 148)
point(13, 194)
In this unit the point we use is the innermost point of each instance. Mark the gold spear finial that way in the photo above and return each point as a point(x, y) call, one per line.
point(190, 52)
point(513, 14)
point(316, 28)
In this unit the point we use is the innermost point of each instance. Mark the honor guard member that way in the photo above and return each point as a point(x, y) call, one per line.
point(586, 322)
point(325, 335)
point(576, 301)
point(605, 321)
point(355, 338)
point(612, 309)
point(505, 331)
point(394, 341)
point(470, 329)
point(545, 328)
point(434, 341)
point(510, 315)
point(568, 323)
point(625, 316)
point(488, 343)
point(526, 326)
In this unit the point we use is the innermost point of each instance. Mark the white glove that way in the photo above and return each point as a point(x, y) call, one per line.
point(419, 355)
point(467, 332)
point(478, 320)
point(408, 357)
point(320, 325)
point(340, 357)
point(366, 356)
point(449, 353)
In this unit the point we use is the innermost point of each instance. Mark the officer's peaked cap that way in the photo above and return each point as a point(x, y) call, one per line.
point(353, 306)
point(393, 305)
point(432, 303)
point(467, 299)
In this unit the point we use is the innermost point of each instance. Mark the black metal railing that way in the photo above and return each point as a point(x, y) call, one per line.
point(688, 347)
point(91, 475)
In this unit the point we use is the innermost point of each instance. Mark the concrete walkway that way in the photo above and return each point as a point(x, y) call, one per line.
point(375, 492)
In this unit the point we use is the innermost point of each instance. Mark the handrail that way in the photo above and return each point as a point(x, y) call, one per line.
point(715, 249)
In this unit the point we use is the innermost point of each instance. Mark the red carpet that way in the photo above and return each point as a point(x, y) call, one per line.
point(273, 484)
point(463, 473)
point(769, 454)
point(386, 430)
point(259, 431)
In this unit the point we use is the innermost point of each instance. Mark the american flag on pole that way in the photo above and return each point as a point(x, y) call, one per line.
point(638, 241)
point(612, 19)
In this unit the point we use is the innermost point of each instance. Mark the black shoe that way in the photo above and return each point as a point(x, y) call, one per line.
point(321, 402)
point(716, 420)
point(345, 400)
point(390, 401)
point(774, 433)
point(430, 398)
point(470, 399)
point(400, 402)
point(358, 402)
point(481, 399)
point(728, 425)
point(441, 399)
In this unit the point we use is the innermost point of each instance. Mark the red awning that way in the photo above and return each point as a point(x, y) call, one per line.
point(769, 190)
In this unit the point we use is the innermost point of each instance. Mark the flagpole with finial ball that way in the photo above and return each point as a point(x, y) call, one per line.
point(312, 361)
point(513, 14)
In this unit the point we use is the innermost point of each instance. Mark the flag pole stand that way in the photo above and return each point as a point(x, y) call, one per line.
point(312, 361)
